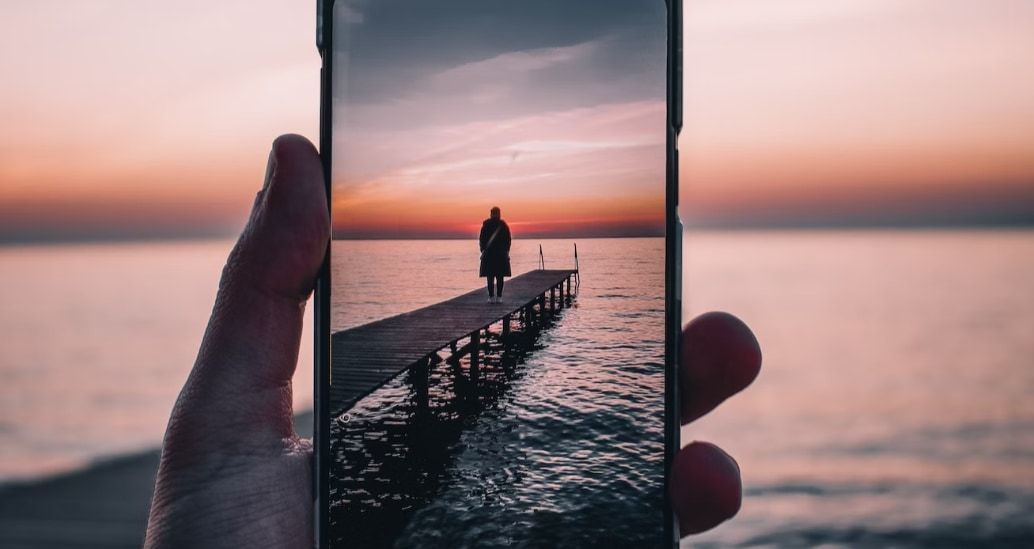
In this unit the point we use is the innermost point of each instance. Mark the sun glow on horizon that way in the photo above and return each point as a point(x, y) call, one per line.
point(162, 116)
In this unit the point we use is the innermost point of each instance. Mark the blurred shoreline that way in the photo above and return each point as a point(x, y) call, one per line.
point(104, 504)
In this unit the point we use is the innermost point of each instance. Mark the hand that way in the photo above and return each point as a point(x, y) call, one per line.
point(234, 474)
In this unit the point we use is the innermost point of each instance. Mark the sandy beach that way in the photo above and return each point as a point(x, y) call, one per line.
point(104, 505)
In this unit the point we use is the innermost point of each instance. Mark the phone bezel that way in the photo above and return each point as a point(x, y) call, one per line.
point(672, 273)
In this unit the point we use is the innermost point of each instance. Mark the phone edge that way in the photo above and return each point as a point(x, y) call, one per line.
point(321, 309)
point(672, 272)
point(672, 261)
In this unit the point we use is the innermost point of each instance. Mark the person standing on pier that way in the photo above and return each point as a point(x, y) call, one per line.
point(495, 254)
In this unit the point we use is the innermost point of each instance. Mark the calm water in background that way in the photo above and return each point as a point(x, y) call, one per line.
point(95, 342)
point(893, 408)
point(895, 404)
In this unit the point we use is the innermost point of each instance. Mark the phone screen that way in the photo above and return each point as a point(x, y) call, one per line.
point(497, 274)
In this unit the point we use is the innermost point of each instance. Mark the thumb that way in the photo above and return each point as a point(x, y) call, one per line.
point(242, 376)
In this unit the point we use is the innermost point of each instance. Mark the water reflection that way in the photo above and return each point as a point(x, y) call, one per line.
point(392, 459)
point(562, 448)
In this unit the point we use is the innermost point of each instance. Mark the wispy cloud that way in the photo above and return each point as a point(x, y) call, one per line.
point(577, 160)
point(508, 65)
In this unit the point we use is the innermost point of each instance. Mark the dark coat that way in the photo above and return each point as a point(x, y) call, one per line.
point(495, 250)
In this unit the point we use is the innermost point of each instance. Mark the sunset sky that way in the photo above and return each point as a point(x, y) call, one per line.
point(137, 118)
point(449, 108)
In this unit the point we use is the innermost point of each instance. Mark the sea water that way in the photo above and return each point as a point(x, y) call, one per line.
point(893, 409)
point(562, 447)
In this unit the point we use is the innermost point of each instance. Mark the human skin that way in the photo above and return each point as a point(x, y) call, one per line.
point(233, 472)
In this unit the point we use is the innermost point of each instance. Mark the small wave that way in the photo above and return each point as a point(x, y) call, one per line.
point(968, 534)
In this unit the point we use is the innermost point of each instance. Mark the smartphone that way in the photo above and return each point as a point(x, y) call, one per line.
point(497, 319)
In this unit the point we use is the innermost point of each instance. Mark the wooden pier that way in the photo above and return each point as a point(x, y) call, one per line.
point(368, 356)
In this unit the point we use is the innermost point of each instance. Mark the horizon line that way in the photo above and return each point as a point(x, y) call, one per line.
point(475, 237)
point(86, 239)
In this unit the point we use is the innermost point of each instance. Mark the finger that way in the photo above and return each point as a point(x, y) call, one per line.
point(719, 357)
point(705, 487)
point(250, 349)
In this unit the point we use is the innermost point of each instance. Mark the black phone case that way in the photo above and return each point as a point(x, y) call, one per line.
point(672, 273)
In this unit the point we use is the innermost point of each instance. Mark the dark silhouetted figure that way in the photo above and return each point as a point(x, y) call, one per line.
point(495, 254)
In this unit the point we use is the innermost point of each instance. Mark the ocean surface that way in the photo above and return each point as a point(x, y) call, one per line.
point(95, 342)
point(894, 407)
point(561, 436)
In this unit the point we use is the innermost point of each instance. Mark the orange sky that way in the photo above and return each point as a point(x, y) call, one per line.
point(586, 171)
point(839, 105)
point(126, 117)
